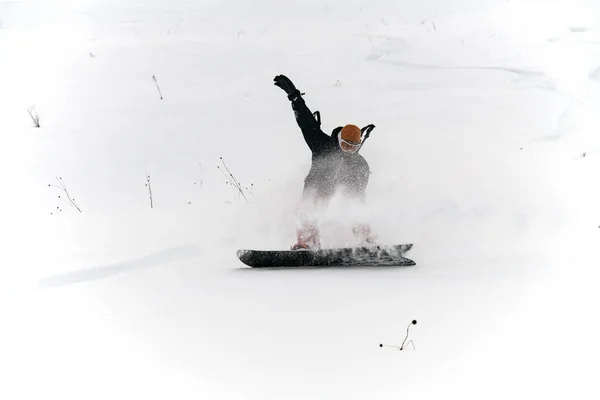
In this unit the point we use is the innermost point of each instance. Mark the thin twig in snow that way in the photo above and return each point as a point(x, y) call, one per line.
point(414, 322)
point(62, 186)
point(156, 83)
point(35, 116)
point(202, 175)
point(587, 153)
point(149, 190)
point(234, 182)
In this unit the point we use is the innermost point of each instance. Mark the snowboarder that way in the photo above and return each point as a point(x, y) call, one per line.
point(336, 165)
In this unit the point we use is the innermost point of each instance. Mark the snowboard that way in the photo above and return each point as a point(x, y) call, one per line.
point(371, 256)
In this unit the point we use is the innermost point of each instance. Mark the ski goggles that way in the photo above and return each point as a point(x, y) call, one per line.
point(348, 146)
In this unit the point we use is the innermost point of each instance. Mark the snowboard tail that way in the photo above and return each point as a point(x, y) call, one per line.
point(374, 256)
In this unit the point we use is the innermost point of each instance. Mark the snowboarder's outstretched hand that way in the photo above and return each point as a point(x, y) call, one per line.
point(288, 87)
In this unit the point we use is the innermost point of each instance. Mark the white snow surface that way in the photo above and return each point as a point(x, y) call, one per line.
point(486, 156)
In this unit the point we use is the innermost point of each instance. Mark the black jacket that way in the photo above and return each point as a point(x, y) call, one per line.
point(331, 168)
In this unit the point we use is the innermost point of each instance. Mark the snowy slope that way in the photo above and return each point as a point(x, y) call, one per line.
point(484, 111)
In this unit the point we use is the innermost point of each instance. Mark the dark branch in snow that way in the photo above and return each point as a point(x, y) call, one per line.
point(158, 87)
point(414, 322)
point(35, 116)
point(404, 343)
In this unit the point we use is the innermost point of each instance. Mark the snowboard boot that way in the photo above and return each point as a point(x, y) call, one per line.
point(299, 246)
point(363, 232)
point(308, 239)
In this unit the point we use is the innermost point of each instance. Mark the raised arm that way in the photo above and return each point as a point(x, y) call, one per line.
point(313, 135)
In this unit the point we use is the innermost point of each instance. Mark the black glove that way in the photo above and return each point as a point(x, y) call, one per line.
point(288, 87)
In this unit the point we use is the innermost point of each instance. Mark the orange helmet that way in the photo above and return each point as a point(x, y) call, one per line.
point(350, 138)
